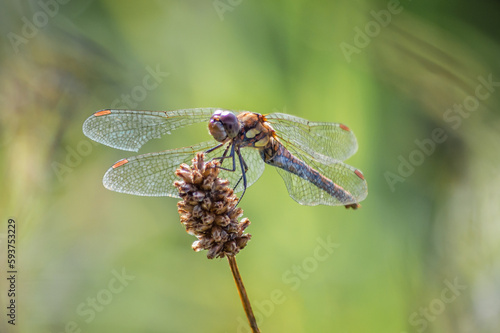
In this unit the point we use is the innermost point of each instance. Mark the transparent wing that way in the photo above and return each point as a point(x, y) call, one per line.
point(324, 142)
point(340, 173)
point(351, 182)
point(153, 174)
point(129, 130)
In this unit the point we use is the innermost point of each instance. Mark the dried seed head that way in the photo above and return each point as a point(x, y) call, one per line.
point(208, 209)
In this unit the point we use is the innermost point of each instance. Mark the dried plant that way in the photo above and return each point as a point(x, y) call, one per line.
point(208, 211)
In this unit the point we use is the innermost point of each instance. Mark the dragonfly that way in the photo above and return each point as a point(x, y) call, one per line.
point(308, 155)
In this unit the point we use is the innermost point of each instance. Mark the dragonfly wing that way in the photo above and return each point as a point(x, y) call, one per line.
point(325, 142)
point(350, 180)
point(340, 173)
point(129, 130)
point(151, 174)
point(252, 159)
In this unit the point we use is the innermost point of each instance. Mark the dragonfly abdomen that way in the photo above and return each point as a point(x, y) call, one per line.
point(277, 155)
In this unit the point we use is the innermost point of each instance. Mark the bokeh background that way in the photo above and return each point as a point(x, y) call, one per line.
point(417, 81)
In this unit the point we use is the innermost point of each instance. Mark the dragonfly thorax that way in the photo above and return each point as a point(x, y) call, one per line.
point(223, 125)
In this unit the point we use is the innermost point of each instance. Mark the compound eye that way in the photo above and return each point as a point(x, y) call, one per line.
point(216, 129)
point(216, 114)
point(230, 122)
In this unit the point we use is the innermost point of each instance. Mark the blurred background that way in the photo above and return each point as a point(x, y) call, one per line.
point(417, 81)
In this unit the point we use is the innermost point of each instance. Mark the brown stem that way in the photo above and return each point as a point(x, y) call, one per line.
point(243, 294)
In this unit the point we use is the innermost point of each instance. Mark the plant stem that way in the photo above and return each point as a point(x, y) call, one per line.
point(243, 294)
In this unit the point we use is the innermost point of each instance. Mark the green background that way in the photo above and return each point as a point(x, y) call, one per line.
point(421, 229)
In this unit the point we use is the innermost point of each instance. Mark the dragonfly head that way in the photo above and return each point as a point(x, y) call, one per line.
point(223, 125)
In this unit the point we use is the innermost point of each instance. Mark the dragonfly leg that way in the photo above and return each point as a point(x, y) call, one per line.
point(223, 157)
point(220, 158)
point(244, 169)
point(214, 148)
